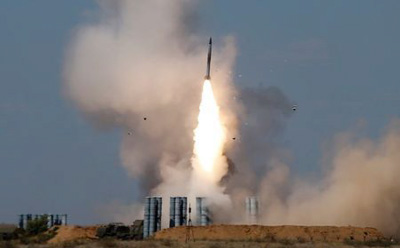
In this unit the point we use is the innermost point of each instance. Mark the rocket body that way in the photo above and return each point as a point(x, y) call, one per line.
point(208, 77)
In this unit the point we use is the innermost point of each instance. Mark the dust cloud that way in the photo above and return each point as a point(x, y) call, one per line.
point(138, 65)
point(361, 186)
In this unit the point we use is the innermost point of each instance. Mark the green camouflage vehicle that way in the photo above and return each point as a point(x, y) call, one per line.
point(121, 231)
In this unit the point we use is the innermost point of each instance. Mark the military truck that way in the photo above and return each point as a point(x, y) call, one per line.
point(136, 230)
point(121, 231)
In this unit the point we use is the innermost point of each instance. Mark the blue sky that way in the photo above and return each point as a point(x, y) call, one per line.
point(338, 60)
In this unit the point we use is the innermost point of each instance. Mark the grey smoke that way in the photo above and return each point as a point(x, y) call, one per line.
point(360, 188)
point(139, 66)
point(142, 59)
point(262, 118)
point(266, 112)
point(261, 121)
point(359, 185)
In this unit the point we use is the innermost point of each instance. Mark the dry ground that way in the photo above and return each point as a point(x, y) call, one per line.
point(197, 244)
point(300, 234)
point(229, 236)
point(71, 233)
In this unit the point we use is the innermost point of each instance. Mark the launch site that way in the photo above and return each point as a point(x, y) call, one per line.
point(199, 123)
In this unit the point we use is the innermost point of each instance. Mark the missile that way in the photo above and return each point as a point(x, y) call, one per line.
point(207, 77)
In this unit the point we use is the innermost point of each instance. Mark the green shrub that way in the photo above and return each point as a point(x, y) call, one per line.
point(44, 237)
point(370, 243)
point(286, 242)
point(215, 245)
point(380, 243)
point(34, 227)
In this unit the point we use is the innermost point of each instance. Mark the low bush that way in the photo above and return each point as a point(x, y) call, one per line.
point(370, 243)
point(7, 244)
point(108, 243)
point(286, 242)
point(167, 243)
point(70, 244)
point(34, 227)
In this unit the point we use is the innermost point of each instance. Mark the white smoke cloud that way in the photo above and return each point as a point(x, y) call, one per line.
point(139, 65)
point(120, 212)
point(361, 187)
point(141, 59)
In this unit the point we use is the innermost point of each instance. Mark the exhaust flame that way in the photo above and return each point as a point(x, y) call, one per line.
point(209, 137)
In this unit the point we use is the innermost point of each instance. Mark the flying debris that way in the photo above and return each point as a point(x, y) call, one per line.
point(145, 118)
point(294, 107)
point(129, 133)
point(208, 77)
point(234, 138)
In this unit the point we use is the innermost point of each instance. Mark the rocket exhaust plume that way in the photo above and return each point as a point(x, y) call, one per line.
point(114, 85)
point(209, 136)
point(109, 75)
point(208, 162)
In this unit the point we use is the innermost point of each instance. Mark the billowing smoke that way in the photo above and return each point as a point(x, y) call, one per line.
point(139, 65)
point(359, 185)
point(360, 188)
point(261, 121)
point(262, 116)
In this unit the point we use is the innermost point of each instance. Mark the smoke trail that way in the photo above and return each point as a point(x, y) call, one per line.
point(139, 66)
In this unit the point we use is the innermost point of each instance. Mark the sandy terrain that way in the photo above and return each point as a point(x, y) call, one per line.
point(273, 233)
point(71, 233)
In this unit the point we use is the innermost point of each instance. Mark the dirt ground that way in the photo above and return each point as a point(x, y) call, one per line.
point(273, 233)
point(234, 236)
point(71, 233)
point(111, 243)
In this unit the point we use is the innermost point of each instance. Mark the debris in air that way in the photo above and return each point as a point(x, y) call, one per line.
point(294, 107)
point(145, 118)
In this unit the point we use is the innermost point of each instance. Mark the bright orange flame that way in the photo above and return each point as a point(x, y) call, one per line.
point(209, 135)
